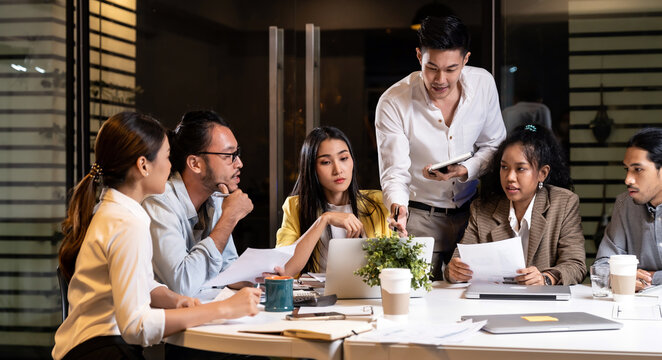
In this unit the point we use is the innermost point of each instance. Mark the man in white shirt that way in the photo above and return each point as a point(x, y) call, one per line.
point(192, 221)
point(433, 115)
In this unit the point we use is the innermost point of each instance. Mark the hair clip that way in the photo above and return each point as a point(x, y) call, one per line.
point(97, 172)
point(530, 128)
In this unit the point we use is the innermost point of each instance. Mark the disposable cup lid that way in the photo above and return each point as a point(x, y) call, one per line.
point(623, 259)
point(395, 273)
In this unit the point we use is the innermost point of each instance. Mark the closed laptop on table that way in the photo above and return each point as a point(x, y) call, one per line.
point(517, 292)
point(543, 322)
point(345, 256)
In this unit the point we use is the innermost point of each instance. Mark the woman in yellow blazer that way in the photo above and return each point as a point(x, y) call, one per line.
point(326, 203)
point(526, 193)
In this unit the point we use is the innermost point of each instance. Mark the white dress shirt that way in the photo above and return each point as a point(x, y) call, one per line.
point(522, 228)
point(109, 293)
point(411, 133)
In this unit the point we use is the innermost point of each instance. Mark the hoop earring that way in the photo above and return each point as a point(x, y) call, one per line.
point(540, 184)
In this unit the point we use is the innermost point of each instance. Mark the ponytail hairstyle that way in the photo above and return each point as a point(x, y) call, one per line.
point(122, 139)
point(312, 200)
point(540, 149)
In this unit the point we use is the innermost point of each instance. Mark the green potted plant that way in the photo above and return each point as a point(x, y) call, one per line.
point(393, 252)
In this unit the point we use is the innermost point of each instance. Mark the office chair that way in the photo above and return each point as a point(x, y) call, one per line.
point(64, 290)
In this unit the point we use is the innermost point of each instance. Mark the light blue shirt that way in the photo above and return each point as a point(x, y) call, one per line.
point(185, 257)
point(635, 230)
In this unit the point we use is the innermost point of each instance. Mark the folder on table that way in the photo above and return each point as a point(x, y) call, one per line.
point(312, 329)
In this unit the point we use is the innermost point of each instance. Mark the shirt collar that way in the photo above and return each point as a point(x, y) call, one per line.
point(182, 194)
point(112, 195)
point(512, 218)
point(465, 95)
point(652, 209)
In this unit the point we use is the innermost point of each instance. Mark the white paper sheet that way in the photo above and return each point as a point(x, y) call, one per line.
point(431, 334)
point(251, 264)
point(637, 312)
point(495, 261)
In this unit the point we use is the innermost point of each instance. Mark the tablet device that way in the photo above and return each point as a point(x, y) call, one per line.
point(443, 166)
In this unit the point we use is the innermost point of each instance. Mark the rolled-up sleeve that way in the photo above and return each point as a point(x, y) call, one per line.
point(184, 271)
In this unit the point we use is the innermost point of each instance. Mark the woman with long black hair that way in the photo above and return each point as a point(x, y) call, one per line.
point(326, 202)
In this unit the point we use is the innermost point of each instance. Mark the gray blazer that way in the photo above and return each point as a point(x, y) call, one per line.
point(556, 239)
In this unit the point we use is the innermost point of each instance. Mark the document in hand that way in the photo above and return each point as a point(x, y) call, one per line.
point(313, 329)
point(495, 261)
point(251, 264)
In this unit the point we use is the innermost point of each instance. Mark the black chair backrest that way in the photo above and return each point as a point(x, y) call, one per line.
point(64, 290)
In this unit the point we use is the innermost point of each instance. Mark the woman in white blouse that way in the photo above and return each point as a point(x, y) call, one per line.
point(115, 305)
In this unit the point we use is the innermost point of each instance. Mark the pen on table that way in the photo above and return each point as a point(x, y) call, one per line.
point(395, 217)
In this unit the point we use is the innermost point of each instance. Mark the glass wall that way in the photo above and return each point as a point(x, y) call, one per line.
point(32, 172)
point(165, 57)
point(209, 54)
point(597, 65)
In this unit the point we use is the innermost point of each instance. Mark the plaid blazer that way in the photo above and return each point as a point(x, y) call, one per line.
point(556, 238)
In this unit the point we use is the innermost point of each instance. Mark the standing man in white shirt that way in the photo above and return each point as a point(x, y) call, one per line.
point(445, 110)
point(192, 221)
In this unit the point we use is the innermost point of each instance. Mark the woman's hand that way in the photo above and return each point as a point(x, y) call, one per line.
point(186, 302)
point(349, 222)
point(530, 276)
point(459, 271)
point(243, 303)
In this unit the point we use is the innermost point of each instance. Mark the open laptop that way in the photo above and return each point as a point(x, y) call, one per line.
point(347, 255)
point(543, 322)
point(517, 292)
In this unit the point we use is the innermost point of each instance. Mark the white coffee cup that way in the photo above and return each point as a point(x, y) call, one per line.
point(623, 275)
point(396, 285)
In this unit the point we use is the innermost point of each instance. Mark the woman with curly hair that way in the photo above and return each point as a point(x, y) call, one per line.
point(527, 193)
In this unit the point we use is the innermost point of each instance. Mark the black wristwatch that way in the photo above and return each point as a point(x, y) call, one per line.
point(548, 280)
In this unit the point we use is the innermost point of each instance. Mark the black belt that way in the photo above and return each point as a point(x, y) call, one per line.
point(447, 211)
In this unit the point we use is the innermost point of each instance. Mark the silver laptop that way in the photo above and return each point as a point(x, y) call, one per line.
point(517, 292)
point(347, 255)
point(543, 322)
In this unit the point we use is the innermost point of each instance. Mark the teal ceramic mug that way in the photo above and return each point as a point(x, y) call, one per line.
point(279, 293)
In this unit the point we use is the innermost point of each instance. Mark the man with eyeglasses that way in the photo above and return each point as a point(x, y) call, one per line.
point(192, 221)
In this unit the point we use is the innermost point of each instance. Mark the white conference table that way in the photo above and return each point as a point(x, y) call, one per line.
point(638, 339)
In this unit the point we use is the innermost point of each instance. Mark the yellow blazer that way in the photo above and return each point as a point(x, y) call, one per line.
point(290, 230)
point(556, 239)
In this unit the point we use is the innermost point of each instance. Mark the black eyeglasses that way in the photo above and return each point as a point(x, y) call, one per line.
point(234, 155)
